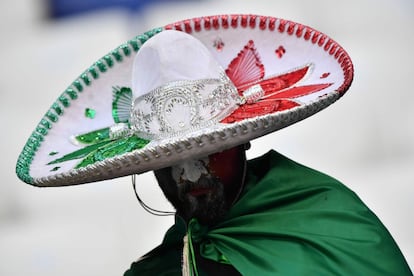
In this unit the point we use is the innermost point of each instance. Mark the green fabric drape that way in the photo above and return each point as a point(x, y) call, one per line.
point(290, 220)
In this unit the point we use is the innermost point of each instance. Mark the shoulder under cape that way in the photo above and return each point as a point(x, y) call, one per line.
point(290, 220)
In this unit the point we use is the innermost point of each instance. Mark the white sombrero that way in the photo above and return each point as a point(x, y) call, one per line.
point(182, 91)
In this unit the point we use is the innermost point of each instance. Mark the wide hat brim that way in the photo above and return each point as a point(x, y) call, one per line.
point(301, 70)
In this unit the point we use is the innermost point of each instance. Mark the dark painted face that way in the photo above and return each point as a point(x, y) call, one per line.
point(206, 188)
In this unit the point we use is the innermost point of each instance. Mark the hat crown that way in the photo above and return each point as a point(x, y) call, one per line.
point(178, 87)
point(171, 56)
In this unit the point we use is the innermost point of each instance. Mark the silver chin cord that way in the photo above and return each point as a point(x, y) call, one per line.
point(145, 206)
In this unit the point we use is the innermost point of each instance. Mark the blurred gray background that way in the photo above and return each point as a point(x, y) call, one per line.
point(365, 140)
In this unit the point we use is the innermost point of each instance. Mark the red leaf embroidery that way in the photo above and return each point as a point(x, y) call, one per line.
point(284, 81)
point(258, 109)
point(246, 68)
point(299, 91)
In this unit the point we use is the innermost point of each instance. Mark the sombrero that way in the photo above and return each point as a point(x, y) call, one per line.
point(185, 90)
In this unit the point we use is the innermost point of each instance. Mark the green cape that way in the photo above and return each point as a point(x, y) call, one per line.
point(289, 220)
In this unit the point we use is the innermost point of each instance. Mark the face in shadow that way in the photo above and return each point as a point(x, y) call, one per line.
point(205, 188)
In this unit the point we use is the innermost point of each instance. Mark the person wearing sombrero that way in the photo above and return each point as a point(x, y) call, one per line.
point(185, 100)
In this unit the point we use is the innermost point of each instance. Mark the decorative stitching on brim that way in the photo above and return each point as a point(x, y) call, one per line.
point(147, 157)
point(243, 131)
